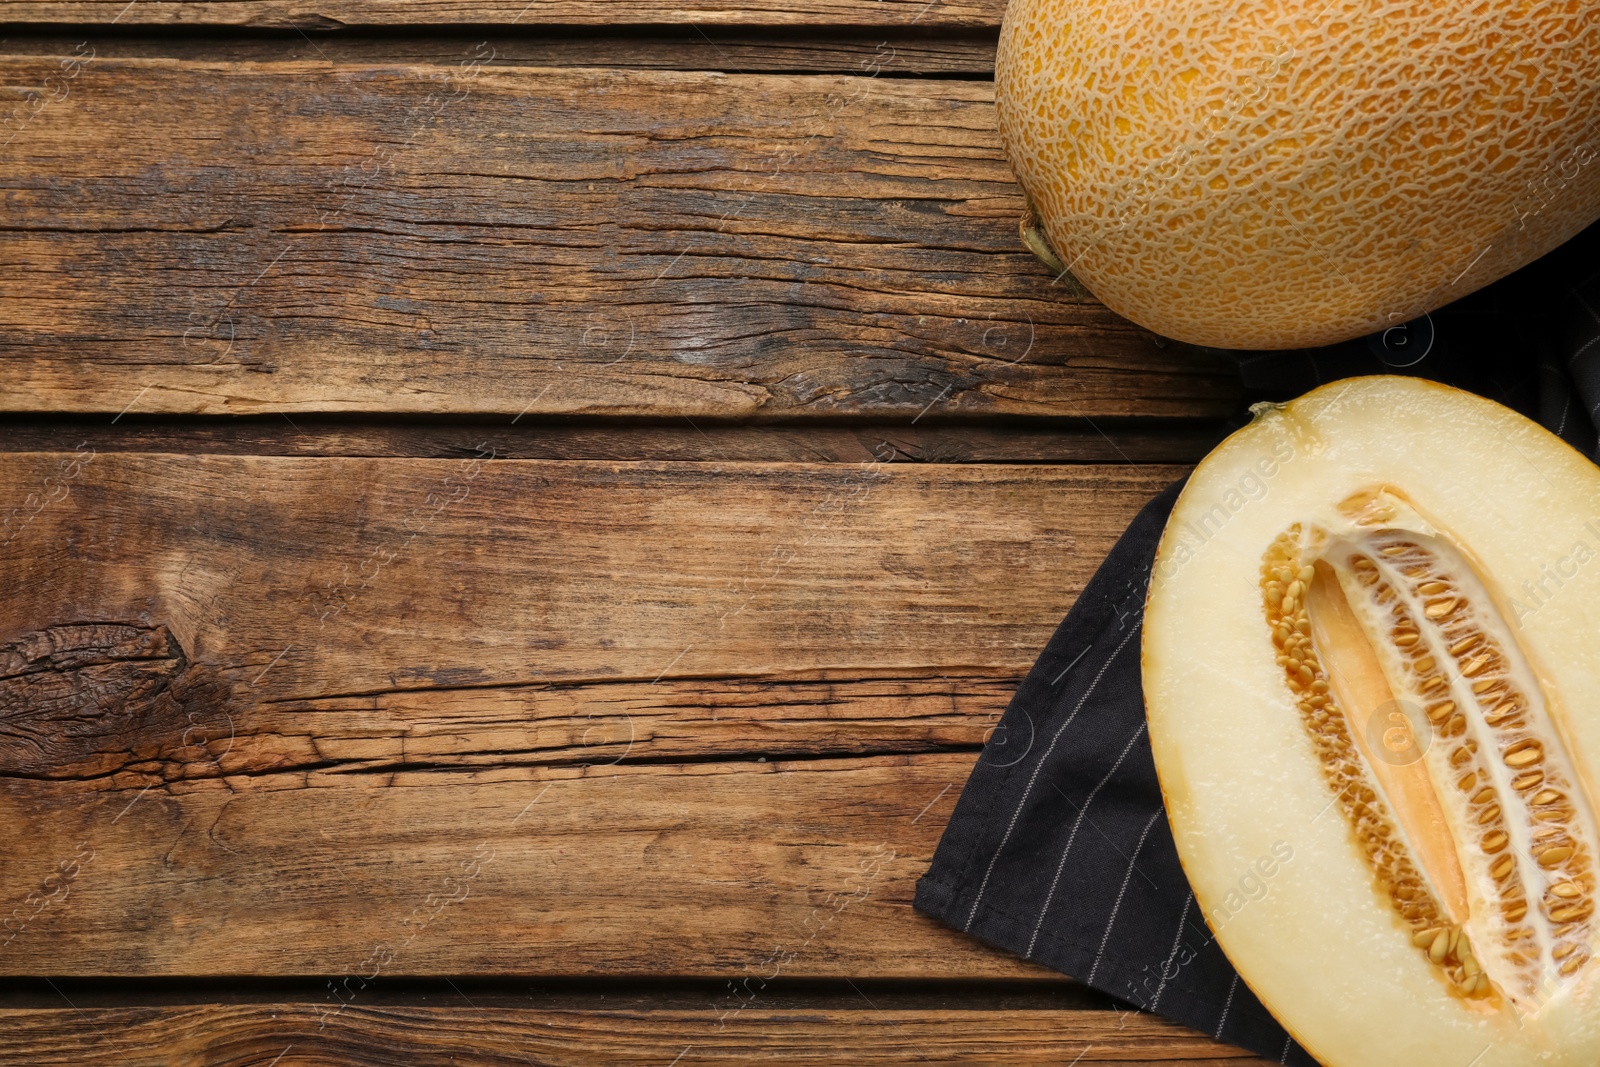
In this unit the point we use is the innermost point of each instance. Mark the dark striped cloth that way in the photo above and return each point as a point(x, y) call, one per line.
point(1059, 848)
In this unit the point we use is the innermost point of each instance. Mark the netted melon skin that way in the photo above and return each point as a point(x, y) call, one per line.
point(1290, 173)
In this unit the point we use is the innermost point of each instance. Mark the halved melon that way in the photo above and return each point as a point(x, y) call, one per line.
point(1372, 675)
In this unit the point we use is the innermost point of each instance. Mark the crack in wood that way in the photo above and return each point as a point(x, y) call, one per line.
point(120, 705)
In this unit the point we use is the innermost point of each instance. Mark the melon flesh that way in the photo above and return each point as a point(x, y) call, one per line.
point(1284, 173)
point(1372, 672)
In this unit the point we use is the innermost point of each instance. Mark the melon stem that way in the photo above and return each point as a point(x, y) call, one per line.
point(1032, 234)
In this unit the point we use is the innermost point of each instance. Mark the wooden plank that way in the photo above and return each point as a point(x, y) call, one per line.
point(537, 241)
point(451, 727)
point(1145, 441)
point(736, 50)
point(703, 719)
point(576, 571)
point(485, 1036)
point(336, 14)
point(733, 869)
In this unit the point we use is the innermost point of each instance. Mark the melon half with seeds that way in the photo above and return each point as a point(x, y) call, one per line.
point(1372, 676)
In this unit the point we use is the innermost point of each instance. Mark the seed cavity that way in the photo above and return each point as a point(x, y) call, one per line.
point(1466, 807)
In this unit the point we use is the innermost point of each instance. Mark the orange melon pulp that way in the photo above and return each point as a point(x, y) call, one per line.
point(1283, 173)
point(1372, 653)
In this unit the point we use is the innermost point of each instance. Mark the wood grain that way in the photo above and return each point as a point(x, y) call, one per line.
point(336, 14)
point(521, 242)
point(141, 686)
point(511, 717)
point(467, 1036)
point(734, 869)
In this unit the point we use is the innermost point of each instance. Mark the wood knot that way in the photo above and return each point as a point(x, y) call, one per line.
point(89, 699)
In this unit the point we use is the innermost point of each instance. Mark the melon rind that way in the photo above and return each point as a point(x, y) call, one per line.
point(1286, 173)
point(1321, 946)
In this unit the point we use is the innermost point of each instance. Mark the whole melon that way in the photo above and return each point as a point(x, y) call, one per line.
point(1286, 173)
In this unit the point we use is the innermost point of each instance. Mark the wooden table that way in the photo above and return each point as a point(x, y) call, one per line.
point(518, 518)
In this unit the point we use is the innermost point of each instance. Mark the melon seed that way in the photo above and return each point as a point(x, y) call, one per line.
point(1424, 938)
point(1555, 855)
point(1440, 947)
point(1503, 711)
point(1527, 780)
point(1524, 753)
